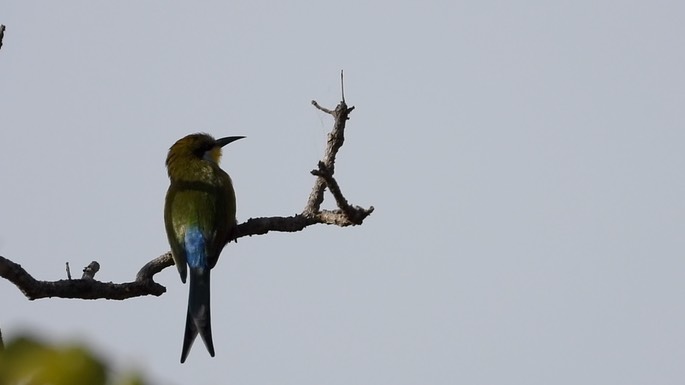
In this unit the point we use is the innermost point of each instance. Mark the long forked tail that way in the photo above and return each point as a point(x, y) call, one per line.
point(198, 320)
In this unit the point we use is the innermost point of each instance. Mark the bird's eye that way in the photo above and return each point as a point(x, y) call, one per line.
point(203, 149)
point(200, 152)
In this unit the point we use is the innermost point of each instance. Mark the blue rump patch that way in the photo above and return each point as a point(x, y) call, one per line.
point(195, 248)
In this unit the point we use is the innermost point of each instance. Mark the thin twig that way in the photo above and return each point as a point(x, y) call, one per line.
point(342, 87)
point(326, 110)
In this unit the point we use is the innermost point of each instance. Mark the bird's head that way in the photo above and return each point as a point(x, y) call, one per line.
point(197, 147)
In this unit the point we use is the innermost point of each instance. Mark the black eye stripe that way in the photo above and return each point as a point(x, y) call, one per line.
point(202, 149)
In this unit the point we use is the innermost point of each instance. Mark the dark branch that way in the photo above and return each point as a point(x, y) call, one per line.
point(75, 288)
point(89, 288)
point(2, 34)
point(155, 266)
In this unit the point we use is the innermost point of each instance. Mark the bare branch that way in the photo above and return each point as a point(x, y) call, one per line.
point(333, 187)
point(75, 288)
point(89, 288)
point(336, 138)
point(346, 214)
point(2, 34)
point(354, 215)
point(155, 266)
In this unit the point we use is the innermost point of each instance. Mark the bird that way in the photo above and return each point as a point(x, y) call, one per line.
point(199, 217)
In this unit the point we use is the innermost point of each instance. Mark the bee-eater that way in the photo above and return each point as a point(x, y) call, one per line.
point(199, 214)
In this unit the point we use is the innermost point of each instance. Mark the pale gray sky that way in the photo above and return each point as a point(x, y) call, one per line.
point(525, 160)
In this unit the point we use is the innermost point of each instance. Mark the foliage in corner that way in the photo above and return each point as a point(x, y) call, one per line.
point(25, 360)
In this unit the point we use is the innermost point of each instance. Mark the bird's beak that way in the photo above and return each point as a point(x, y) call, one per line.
point(224, 141)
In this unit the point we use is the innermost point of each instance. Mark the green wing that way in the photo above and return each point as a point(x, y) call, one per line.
point(208, 205)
